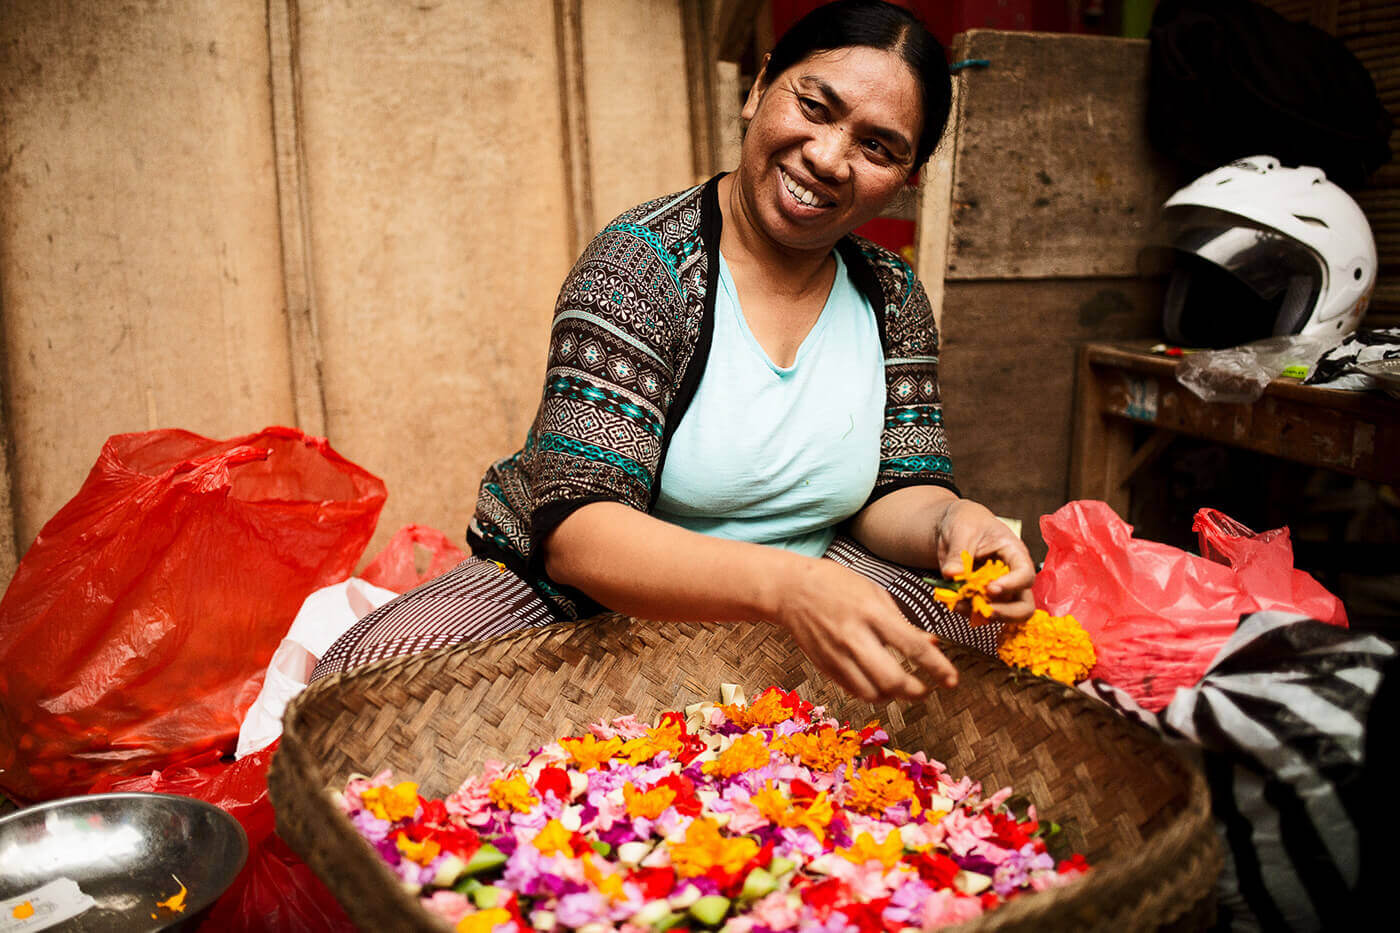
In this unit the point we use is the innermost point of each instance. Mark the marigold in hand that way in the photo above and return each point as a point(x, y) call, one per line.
point(1049, 646)
point(970, 598)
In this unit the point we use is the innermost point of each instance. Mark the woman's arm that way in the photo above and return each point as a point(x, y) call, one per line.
point(637, 564)
point(930, 526)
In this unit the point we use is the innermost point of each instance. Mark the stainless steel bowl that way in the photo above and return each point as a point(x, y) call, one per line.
point(127, 852)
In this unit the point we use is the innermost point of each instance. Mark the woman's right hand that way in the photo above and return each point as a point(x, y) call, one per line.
point(846, 624)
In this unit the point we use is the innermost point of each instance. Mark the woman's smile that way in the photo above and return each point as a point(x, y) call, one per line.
point(804, 195)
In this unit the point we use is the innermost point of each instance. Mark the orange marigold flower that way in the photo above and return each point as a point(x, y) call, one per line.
point(767, 710)
point(484, 921)
point(780, 810)
point(392, 803)
point(554, 839)
point(590, 752)
point(971, 594)
point(420, 852)
point(648, 803)
point(705, 848)
point(749, 751)
point(825, 750)
point(871, 790)
point(513, 792)
point(1050, 646)
point(609, 885)
point(866, 849)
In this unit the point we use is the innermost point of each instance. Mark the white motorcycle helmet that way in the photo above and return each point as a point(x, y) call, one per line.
point(1263, 250)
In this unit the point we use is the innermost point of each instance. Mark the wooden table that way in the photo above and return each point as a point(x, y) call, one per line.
point(1121, 386)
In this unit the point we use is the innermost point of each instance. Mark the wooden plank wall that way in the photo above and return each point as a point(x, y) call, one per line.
point(1036, 206)
point(348, 217)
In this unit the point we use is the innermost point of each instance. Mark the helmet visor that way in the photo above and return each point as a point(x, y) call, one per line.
point(1267, 261)
point(1235, 281)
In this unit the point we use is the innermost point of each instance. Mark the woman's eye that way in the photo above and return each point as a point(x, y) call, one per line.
point(811, 106)
point(875, 147)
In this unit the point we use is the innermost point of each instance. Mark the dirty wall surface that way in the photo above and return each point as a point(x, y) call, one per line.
point(352, 218)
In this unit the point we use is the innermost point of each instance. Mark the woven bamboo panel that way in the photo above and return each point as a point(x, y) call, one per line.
point(1136, 808)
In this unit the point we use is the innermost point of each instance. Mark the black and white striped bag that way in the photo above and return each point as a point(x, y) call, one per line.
point(1280, 721)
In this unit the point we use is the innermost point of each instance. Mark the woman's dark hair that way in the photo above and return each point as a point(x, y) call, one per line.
point(877, 25)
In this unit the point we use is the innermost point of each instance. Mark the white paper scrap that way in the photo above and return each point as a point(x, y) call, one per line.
point(52, 904)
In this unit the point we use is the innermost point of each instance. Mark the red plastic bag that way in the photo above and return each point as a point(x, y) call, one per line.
point(1157, 614)
point(139, 624)
point(396, 567)
point(275, 891)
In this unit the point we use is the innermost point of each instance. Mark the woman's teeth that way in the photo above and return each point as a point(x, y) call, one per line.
point(801, 193)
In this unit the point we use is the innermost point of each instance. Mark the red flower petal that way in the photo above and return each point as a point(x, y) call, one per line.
point(554, 781)
point(655, 883)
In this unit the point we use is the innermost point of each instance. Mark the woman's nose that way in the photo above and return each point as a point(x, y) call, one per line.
point(826, 153)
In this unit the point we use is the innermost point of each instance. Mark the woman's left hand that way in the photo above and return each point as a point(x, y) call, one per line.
point(967, 526)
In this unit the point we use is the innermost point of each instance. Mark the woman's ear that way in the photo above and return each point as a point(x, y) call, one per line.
point(760, 84)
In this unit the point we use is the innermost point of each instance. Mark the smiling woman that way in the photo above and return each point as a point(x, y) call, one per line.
point(741, 417)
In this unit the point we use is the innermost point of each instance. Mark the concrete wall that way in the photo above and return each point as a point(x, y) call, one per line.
point(349, 217)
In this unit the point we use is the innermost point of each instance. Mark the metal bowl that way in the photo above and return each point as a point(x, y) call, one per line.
point(122, 854)
point(1385, 372)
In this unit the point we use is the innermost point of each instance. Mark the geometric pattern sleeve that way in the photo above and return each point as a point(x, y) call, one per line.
point(913, 444)
point(624, 330)
point(609, 380)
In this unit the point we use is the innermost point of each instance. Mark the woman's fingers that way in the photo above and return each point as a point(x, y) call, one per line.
point(847, 625)
point(1020, 570)
point(842, 667)
point(919, 647)
point(883, 669)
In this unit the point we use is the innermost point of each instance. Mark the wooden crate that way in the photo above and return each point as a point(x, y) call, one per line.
point(1037, 206)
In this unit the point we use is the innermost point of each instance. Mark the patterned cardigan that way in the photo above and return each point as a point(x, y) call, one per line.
point(632, 330)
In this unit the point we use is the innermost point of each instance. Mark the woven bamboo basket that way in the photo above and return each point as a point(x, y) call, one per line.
point(1134, 806)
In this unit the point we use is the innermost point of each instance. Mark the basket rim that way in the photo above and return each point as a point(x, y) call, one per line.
point(1192, 828)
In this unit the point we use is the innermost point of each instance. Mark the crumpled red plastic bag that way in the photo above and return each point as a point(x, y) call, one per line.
point(139, 624)
point(276, 890)
point(1157, 614)
point(396, 567)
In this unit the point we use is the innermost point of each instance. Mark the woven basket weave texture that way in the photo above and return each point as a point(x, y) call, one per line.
point(1135, 807)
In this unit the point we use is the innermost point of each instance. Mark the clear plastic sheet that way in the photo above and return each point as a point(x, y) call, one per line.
point(1240, 374)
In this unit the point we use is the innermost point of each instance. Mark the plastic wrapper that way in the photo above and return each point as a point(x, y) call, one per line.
point(1158, 615)
point(326, 614)
point(1240, 374)
point(413, 556)
point(138, 626)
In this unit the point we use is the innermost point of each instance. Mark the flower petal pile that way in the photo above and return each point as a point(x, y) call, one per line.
point(744, 818)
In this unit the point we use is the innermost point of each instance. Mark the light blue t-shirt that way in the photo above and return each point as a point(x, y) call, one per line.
point(776, 455)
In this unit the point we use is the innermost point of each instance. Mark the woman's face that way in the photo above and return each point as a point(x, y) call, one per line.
point(830, 141)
